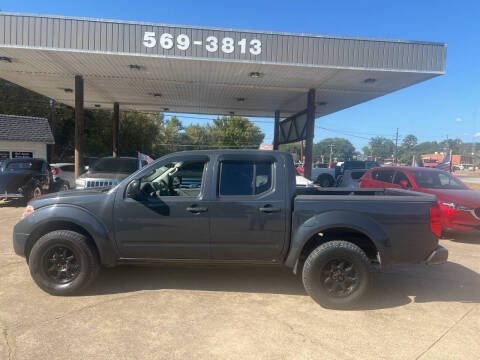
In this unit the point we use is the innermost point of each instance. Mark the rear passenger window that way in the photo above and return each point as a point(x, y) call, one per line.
point(245, 178)
point(383, 175)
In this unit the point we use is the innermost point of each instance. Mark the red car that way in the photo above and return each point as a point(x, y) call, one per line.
point(460, 205)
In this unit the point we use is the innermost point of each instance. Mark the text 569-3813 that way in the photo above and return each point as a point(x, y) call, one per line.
point(212, 44)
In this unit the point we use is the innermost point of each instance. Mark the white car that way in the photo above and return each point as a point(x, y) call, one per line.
point(303, 181)
point(64, 171)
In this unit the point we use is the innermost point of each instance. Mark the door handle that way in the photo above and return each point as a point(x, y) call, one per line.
point(269, 209)
point(196, 210)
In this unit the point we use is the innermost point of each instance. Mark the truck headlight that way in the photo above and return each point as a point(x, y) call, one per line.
point(80, 183)
point(28, 210)
point(454, 206)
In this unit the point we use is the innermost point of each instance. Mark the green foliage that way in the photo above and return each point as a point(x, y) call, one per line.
point(342, 149)
point(235, 131)
point(380, 147)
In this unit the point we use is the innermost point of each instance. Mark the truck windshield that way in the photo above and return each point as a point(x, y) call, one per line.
point(116, 165)
point(437, 180)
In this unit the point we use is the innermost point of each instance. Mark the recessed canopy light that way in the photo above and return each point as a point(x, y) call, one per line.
point(156, 94)
point(369, 81)
point(5, 59)
point(97, 105)
point(240, 99)
point(68, 90)
point(166, 109)
point(135, 67)
point(255, 74)
point(321, 103)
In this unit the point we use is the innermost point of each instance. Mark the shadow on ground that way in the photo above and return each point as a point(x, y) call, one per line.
point(467, 238)
point(393, 287)
point(12, 203)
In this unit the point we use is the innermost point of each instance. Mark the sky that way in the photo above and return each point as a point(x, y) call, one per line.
point(448, 104)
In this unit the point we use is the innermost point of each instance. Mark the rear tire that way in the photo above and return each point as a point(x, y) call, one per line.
point(63, 262)
point(337, 274)
point(325, 180)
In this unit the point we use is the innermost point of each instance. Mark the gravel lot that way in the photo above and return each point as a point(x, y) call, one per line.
point(176, 312)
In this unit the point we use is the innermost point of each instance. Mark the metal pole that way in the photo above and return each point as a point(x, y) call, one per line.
point(310, 133)
point(52, 127)
point(276, 130)
point(78, 125)
point(116, 121)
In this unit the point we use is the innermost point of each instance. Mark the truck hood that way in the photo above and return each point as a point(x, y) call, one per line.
point(72, 197)
point(104, 175)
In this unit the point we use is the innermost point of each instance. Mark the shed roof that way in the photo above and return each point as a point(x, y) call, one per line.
point(25, 128)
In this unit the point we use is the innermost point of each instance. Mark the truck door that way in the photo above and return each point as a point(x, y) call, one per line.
point(169, 219)
point(248, 218)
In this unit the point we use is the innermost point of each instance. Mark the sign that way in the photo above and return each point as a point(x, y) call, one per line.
point(266, 147)
point(4, 155)
point(22, 154)
point(211, 43)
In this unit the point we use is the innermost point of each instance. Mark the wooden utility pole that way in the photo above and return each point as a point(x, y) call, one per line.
point(331, 154)
point(395, 159)
point(301, 151)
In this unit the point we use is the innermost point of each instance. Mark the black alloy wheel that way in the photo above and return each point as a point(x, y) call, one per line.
point(339, 278)
point(61, 264)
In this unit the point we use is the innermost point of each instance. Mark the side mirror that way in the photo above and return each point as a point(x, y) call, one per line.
point(404, 184)
point(133, 189)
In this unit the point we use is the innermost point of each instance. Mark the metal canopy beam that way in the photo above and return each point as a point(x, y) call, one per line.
point(309, 133)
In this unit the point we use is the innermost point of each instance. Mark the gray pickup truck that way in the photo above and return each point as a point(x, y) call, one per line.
point(228, 206)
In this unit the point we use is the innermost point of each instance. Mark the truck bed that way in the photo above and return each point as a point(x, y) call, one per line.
point(396, 218)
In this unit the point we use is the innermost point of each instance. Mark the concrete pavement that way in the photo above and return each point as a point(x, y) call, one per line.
point(176, 312)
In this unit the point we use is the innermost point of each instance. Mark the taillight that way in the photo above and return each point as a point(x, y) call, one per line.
point(436, 220)
point(55, 171)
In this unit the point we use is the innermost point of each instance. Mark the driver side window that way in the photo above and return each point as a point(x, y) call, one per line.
point(177, 178)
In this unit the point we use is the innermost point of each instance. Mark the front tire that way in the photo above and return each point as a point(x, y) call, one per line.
point(63, 262)
point(337, 274)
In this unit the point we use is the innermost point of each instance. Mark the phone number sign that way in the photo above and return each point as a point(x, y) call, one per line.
point(212, 44)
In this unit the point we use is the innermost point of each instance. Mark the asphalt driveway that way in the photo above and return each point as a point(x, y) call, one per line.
point(204, 312)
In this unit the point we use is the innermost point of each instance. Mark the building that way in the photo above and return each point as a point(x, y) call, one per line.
point(293, 78)
point(24, 136)
point(432, 160)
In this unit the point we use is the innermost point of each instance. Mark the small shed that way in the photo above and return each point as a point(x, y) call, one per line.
point(24, 136)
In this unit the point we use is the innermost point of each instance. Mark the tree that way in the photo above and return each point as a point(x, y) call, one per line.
point(342, 149)
point(407, 149)
point(381, 147)
point(236, 131)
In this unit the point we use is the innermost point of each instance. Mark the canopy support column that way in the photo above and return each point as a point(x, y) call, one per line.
point(78, 125)
point(276, 130)
point(115, 124)
point(310, 129)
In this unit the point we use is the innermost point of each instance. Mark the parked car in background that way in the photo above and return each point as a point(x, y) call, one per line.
point(27, 179)
point(303, 181)
point(459, 205)
point(326, 177)
point(350, 178)
point(107, 172)
point(64, 171)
